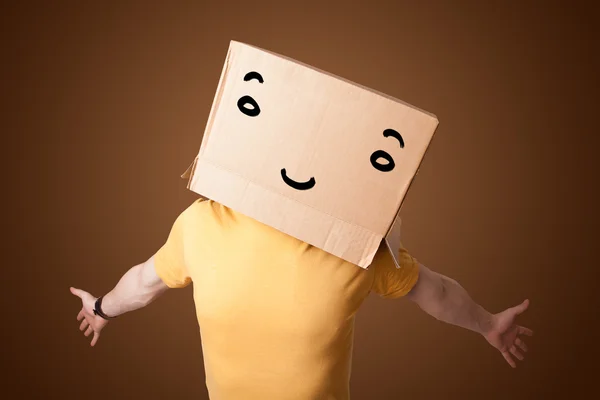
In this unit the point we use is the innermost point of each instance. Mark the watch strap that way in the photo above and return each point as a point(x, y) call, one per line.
point(98, 309)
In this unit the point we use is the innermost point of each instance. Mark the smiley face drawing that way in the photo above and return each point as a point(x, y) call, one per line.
point(254, 111)
point(312, 154)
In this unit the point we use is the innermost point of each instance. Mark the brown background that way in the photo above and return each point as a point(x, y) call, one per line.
point(105, 104)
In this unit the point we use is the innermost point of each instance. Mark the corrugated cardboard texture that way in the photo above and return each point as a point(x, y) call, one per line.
point(309, 153)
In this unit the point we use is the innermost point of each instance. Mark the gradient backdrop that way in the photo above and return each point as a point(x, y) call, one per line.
point(104, 107)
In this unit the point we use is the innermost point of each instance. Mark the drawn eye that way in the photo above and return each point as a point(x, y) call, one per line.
point(395, 135)
point(379, 166)
point(253, 75)
point(385, 155)
point(247, 100)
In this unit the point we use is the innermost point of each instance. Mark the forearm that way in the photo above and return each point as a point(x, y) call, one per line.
point(136, 289)
point(447, 301)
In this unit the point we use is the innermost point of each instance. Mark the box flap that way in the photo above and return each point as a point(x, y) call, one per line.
point(341, 238)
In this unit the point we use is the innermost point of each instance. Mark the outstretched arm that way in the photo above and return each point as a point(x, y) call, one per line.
point(136, 289)
point(446, 300)
point(139, 287)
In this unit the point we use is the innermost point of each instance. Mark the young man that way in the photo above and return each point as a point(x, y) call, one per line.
point(277, 315)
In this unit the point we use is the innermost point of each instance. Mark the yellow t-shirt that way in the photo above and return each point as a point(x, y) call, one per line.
point(276, 315)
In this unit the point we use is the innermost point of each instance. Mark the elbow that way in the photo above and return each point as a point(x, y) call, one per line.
point(438, 303)
point(431, 292)
point(147, 289)
point(442, 291)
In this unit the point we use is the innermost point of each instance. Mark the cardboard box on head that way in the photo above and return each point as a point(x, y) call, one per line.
point(311, 154)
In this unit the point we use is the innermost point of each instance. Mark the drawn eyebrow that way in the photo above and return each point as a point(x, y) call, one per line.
point(394, 134)
point(253, 75)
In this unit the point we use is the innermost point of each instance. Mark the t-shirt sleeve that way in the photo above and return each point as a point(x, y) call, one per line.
point(391, 282)
point(169, 260)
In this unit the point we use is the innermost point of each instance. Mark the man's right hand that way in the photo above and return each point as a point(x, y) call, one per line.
point(89, 321)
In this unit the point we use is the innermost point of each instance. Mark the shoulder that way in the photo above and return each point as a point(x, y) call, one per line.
point(193, 213)
point(207, 214)
point(393, 282)
point(199, 208)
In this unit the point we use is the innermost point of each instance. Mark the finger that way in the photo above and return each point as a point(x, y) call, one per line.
point(521, 344)
point(525, 331)
point(89, 331)
point(509, 359)
point(95, 338)
point(80, 315)
point(77, 292)
point(516, 353)
point(83, 325)
point(521, 307)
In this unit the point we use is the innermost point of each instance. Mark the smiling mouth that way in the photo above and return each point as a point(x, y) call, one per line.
point(309, 184)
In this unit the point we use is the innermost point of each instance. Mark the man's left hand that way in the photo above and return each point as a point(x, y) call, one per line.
point(506, 336)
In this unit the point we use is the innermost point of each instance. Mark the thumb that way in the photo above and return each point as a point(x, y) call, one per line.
point(78, 292)
point(521, 307)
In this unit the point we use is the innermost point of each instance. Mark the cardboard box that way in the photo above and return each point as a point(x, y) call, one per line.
point(313, 155)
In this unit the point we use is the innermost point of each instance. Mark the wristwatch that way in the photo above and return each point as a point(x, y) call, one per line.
point(98, 309)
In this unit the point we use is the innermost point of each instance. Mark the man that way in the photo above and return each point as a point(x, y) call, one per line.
point(276, 315)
